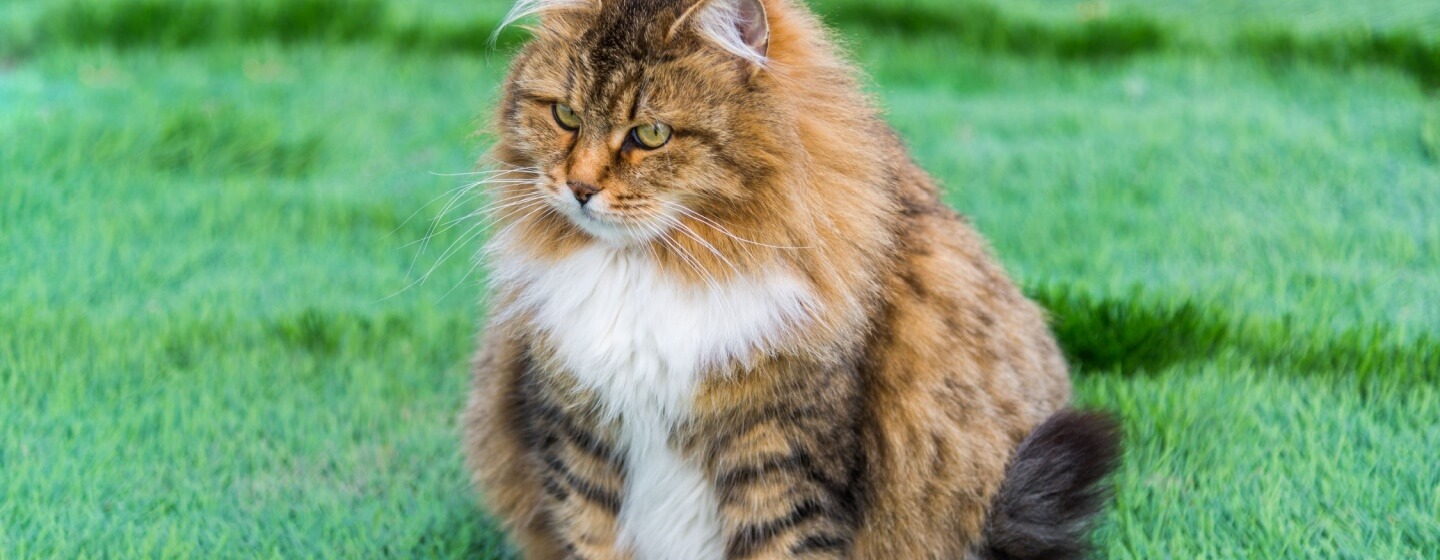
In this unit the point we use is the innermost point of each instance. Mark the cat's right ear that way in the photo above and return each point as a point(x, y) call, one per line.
point(556, 16)
point(741, 27)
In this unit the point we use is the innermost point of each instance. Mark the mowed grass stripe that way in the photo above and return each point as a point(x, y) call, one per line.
point(167, 23)
point(976, 25)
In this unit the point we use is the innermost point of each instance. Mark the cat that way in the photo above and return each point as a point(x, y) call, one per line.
point(731, 318)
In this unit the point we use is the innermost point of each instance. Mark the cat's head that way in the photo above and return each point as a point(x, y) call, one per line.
point(629, 118)
point(719, 140)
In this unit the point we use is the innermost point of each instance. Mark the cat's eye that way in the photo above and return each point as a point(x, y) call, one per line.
point(565, 116)
point(651, 136)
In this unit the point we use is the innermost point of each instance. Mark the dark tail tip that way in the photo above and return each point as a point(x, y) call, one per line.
point(1053, 488)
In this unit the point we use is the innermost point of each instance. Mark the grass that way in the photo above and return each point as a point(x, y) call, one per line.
point(1227, 460)
point(212, 347)
point(1217, 18)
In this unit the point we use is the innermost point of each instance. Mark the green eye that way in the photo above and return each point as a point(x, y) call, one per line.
point(651, 136)
point(565, 116)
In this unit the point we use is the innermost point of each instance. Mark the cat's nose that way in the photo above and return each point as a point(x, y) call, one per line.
point(583, 191)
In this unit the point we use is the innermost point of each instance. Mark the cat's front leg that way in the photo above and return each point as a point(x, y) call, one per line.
point(785, 460)
point(499, 453)
point(583, 484)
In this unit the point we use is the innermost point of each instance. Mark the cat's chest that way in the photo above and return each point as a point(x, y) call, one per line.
point(642, 339)
point(642, 342)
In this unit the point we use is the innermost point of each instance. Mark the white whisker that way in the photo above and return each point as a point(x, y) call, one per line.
point(488, 212)
point(723, 230)
point(457, 194)
point(519, 221)
point(543, 209)
point(469, 235)
point(531, 170)
point(690, 259)
point(692, 235)
point(465, 187)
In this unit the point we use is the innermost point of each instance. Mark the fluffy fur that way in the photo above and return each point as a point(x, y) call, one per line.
point(767, 338)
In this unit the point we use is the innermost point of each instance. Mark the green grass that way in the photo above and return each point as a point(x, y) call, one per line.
point(210, 344)
point(1218, 17)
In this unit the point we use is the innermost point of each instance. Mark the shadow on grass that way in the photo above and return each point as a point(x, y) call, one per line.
point(1130, 334)
point(168, 23)
point(1430, 133)
point(171, 23)
point(985, 27)
point(1137, 334)
point(223, 140)
point(323, 332)
point(1406, 50)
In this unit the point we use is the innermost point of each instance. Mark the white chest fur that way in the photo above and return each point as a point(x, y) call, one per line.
point(642, 341)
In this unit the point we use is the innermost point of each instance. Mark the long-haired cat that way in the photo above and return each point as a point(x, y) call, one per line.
point(730, 318)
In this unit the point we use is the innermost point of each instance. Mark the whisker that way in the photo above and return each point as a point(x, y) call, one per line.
point(723, 230)
point(691, 260)
point(417, 211)
point(519, 221)
point(470, 234)
point(450, 250)
point(465, 237)
point(650, 247)
point(490, 209)
point(487, 212)
point(691, 234)
point(506, 175)
point(431, 232)
point(727, 296)
point(530, 170)
point(543, 209)
point(684, 213)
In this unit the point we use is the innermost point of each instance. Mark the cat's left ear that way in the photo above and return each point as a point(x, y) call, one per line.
point(741, 27)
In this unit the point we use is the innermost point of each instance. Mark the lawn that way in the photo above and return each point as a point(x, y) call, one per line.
point(214, 340)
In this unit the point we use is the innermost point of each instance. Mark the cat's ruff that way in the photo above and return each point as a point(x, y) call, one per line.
point(637, 335)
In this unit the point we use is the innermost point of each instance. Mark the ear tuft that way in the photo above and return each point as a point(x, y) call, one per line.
point(741, 27)
point(527, 8)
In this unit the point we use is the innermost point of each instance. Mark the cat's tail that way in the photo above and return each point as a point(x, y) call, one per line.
point(1055, 485)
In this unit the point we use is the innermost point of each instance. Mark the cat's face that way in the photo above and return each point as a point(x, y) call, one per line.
point(629, 119)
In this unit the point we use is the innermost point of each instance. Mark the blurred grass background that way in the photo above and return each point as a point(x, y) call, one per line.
point(212, 345)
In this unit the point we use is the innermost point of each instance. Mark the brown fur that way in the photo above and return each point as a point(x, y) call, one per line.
point(882, 427)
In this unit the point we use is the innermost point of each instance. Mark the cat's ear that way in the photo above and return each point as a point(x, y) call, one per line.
point(741, 27)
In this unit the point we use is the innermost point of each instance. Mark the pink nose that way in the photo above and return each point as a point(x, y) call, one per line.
point(583, 191)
